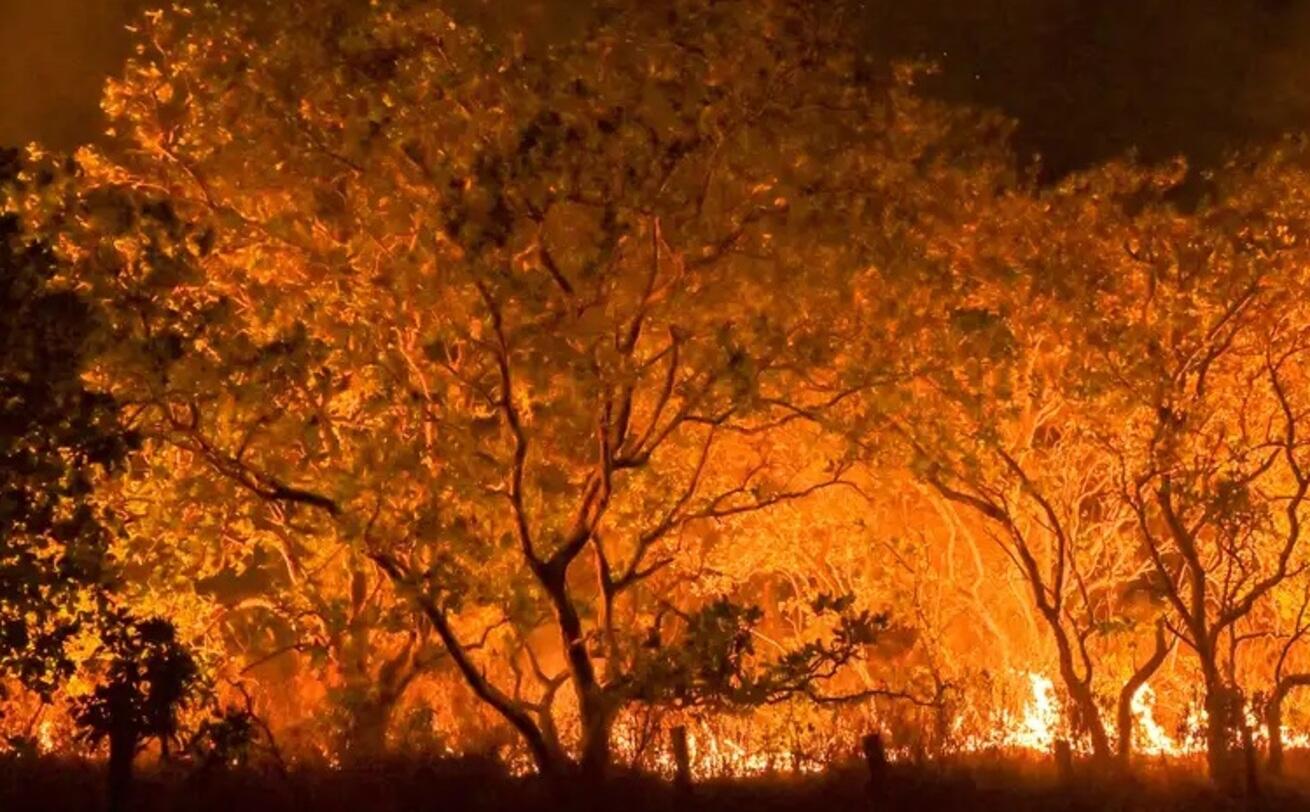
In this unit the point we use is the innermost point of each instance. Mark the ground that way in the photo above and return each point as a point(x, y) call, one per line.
point(1014, 786)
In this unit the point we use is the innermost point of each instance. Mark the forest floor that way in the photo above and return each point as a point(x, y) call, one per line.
point(985, 785)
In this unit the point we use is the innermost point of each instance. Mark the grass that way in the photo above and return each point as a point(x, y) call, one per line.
point(55, 785)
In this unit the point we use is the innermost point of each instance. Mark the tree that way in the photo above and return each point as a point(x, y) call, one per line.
point(373, 676)
point(1216, 476)
point(58, 438)
point(994, 434)
point(1111, 339)
point(488, 316)
point(148, 677)
point(1191, 348)
point(242, 581)
point(989, 421)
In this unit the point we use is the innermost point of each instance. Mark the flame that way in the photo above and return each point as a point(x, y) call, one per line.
point(711, 755)
point(1041, 717)
point(45, 737)
point(1150, 738)
point(737, 747)
point(717, 754)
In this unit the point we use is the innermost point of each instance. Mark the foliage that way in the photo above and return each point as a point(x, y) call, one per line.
point(715, 659)
point(483, 315)
point(58, 438)
point(148, 677)
point(227, 739)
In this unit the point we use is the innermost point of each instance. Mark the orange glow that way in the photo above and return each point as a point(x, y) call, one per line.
point(463, 400)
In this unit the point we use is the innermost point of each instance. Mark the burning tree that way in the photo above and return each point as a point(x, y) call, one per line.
point(1192, 349)
point(993, 428)
point(492, 316)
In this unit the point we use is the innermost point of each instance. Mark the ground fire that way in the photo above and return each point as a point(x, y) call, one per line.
point(395, 404)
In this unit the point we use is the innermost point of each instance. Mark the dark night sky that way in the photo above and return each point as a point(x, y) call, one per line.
point(1087, 78)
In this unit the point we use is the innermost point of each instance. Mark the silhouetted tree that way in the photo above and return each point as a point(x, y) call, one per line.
point(56, 438)
point(149, 676)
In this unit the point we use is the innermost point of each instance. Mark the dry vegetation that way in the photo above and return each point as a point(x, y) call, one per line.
point(391, 413)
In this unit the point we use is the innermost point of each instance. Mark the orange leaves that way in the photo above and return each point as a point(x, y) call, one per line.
point(540, 354)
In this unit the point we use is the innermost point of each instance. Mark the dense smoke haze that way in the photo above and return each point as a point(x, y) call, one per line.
point(1085, 79)
point(54, 56)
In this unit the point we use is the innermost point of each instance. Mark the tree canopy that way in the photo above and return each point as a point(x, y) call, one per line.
point(692, 368)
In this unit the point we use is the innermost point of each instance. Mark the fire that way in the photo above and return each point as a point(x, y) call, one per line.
point(1151, 738)
point(1036, 729)
point(738, 747)
point(716, 752)
point(719, 750)
point(712, 755)
point(45, 736)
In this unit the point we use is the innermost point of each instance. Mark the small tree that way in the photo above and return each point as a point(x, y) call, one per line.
point(148, 677)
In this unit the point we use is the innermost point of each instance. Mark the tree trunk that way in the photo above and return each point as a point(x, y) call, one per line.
point(597, 716)
point(122, 753)
point(596, 728)
point(1085, 702)
point(366, 733)
point(1274, 725)
point(1080, 693)
point(1274, 718)
point(1250, 764)
point(682, 762)
point(1218, 752)
point(875, 760)
point(1063, 761)
point(1130, 688)
point(1218, 728)
point(549, 760)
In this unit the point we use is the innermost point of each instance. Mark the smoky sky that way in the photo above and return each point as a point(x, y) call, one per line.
point(1087, 79)
point(54, 57)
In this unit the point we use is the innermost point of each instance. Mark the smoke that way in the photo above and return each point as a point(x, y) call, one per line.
point(1090, 79)
point(54, 57)
point(1086, 78)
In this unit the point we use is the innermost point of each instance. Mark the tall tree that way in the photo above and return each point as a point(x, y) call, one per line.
point(1204, 348)
point(490, 317)
point(994, 429)
point(1188, 346)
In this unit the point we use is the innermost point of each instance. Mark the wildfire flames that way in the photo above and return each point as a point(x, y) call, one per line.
point(1033, 730)
point(1155, 741)
point(381, 390)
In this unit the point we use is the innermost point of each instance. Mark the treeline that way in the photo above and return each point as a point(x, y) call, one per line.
point(556, 396)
